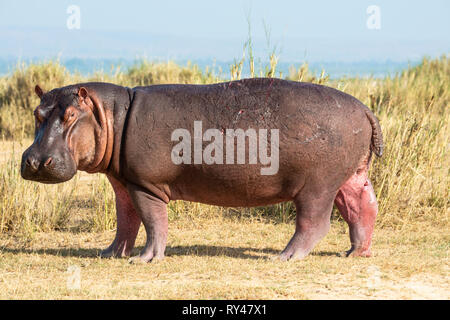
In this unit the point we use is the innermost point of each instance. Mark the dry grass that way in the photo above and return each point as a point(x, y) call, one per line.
point(224, 258)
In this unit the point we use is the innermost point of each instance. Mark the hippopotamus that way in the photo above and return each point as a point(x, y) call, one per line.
point(323, 141)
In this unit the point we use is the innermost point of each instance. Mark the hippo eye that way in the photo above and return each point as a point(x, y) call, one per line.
point(38, 116)
point(69, 114)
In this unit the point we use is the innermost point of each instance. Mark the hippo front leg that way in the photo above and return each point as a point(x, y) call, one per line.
point(153, 213)
point(128, 222)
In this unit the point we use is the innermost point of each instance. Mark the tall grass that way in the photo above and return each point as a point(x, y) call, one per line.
point(29, 207)
point(102, 211)
point(411, 180)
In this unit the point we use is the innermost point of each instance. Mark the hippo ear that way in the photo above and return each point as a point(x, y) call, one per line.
point(38, 91)
point(83, 93)
point(85, 99)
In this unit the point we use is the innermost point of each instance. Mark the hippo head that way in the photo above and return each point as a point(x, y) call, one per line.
point(72, 132)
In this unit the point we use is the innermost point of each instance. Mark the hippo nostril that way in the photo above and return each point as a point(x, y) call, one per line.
point(48, 162)
point(32, 163)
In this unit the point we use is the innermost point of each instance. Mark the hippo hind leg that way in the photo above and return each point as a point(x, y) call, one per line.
point(312, 223)
point(358, 206)
point(128, 223)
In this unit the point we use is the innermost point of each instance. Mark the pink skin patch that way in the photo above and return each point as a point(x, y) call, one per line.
point(358, 206)
point(128, 223)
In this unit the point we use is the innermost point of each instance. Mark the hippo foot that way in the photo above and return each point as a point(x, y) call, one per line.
point(291, 255)
point(116, 251)
point(143, 260)
point(358, 252)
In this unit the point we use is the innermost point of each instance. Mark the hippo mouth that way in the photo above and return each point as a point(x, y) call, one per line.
point(46, 178)
point(48, 181)
point(60, 170)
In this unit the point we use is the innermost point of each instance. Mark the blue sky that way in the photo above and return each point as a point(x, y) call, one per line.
point(318, 30)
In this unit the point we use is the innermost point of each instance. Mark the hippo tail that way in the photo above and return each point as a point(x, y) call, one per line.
point(377, 134)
